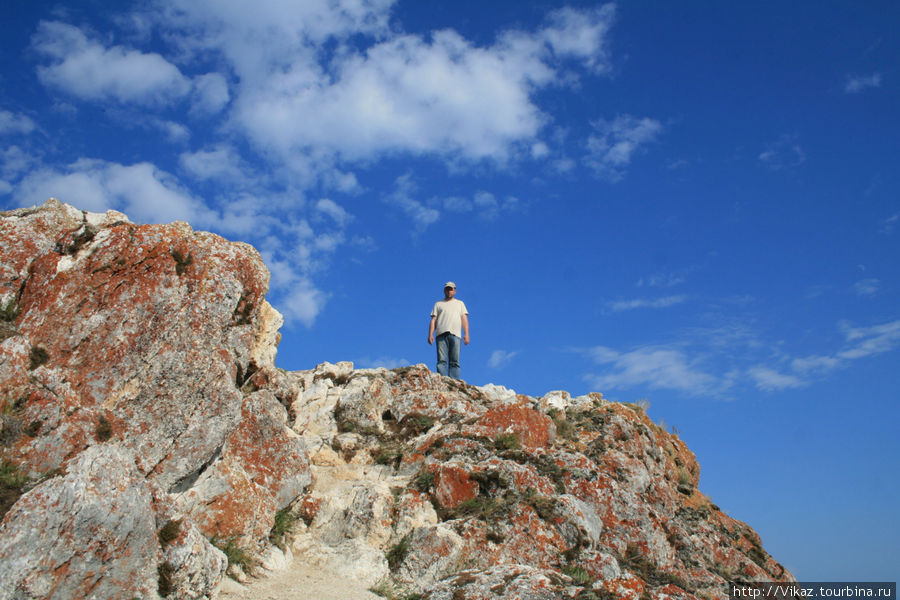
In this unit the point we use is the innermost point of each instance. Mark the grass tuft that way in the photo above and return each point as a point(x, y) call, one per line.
point(169, 532)
point(507, 441)
point(103, 431)
point(397, 553)
point(578, 575)
point(285, 522)
point(37, 357)
point(236, 554)
point(165, 585)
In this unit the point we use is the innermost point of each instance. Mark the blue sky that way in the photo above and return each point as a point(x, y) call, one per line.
point(692, 203)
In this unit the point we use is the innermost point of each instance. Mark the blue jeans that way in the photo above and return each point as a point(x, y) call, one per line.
point(448, 351)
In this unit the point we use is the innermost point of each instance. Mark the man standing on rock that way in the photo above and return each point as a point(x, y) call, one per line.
point(448, 317)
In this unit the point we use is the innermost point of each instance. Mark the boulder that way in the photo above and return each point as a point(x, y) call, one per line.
point(138, 395)
point(89, 533)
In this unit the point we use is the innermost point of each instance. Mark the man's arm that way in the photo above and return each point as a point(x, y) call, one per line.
point(465, 326)
point(431, 327)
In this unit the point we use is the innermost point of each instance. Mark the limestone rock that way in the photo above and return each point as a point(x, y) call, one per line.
point(549, 497)
point(150, 328)
point(263, 466)
point(506, 582)
point(98, 541)
point(146, 346)
point(192, 566)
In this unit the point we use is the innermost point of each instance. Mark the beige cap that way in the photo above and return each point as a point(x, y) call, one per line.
point(450, 284)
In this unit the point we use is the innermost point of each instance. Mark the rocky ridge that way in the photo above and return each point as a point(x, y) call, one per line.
point(148, 441)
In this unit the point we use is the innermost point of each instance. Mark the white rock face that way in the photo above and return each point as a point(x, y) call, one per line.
point(103, 510)
point(498, 393)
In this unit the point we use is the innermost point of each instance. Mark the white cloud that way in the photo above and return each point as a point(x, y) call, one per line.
point(302, 303)
point(862, 342)
point(500, 358)
point(210, 94)
point(581, 35)
point(783, 153)
point(712, 362)
point(870, 340)
point(647, 303)
point(617, 142)
point(888, 225)
point(174, 132)
point(219, 162)
point(661, 280)
point(386, 362)
point(142, 191)
point(867, 287)
point(422, 216)
point(334, 211)
point(859, 83)
point(88, 70)
point(12, 123)
point(14, 161)
point(539, 150)
point(655, 367)
point(770, 380)
point(485, 205)
point(441, 95)
point(814, 364)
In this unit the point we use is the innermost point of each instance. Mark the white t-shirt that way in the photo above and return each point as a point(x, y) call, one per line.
point(449, 316)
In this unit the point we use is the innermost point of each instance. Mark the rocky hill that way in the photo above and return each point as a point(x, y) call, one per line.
point(149, 445)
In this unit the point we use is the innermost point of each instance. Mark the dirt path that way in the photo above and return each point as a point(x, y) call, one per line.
point(297, 582)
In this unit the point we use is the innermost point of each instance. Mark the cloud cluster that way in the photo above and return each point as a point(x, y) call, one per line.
point(653, 366)
point(859, 83)
point(783, 153)
point(663, 302)
point(90, 71)
point(438, 95)
point(500, 358)
point(285, 102)
point(15, 123)
point(616, 142)
point(707, 363)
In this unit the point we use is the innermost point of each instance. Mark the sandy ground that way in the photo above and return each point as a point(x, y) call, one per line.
point(297, 582)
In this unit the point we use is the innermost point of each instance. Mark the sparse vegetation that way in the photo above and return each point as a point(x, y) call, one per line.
point(423, 480)
point(285, 522)
point(480, 507)
point(165, 586)
point(9, 311)
point(33, 428)
point(397, 553)
point(389, 590)
point(12, 485)
point(565, 429)
point(37, 357)
point(103, 431)
point(182, 261)
point(640, 407)
point(8, 314)
point(169, 532)
point(236, 554)
point(507, 441)
point(390, 452)
point(543, 505)
point(10, 476)
point(642, 566)
point(578, 574)
point(417, 424)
